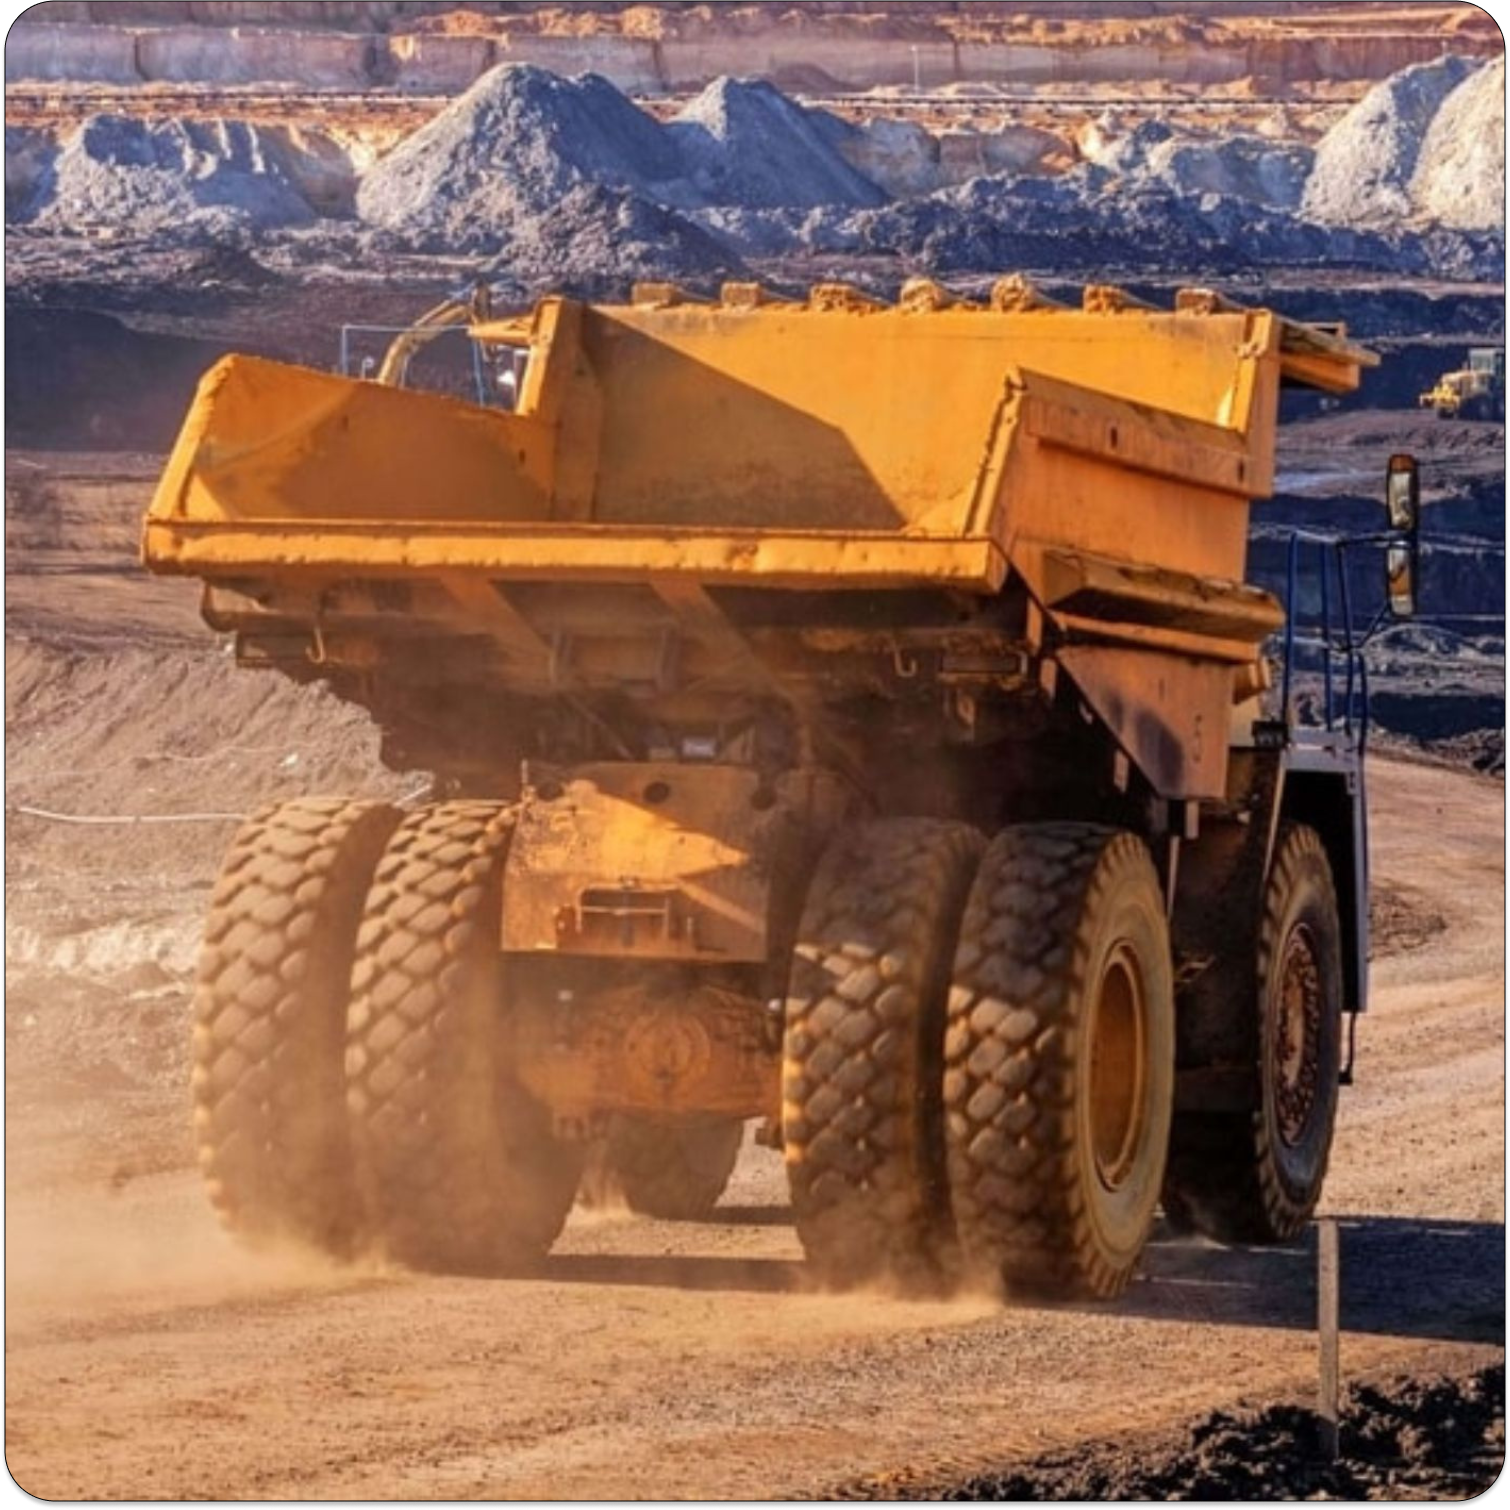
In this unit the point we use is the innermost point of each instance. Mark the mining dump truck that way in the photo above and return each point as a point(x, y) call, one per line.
point(844, 715)
point(1476, 391)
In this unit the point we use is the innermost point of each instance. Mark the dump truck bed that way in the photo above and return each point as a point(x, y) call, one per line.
point(834, 442)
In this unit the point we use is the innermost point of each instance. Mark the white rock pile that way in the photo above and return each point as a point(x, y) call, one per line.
point(1366, 164)
point(1459, 178)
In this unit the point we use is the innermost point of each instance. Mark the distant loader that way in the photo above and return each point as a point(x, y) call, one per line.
point(846, 715)
point(1476, 391)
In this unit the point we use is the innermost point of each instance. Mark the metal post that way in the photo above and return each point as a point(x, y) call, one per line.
point(1363, 716)
point(1326, 1328)
point(478, 381)
point(917, 71)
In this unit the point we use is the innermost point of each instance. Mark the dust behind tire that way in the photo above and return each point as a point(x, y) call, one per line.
point(862, 1054)
point(674, 1171)
point(1255, 1177)
point(1059, 1072)
point(270, 1019)
point(457, 1162)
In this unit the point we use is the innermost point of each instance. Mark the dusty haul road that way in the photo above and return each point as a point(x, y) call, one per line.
point(148, 1357)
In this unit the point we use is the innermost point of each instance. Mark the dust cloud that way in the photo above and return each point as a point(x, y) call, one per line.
point(153, 1241)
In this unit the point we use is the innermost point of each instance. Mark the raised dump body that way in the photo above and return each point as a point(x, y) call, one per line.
point(767, 640)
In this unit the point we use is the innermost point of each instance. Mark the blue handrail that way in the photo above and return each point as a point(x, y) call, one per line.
point(1341, 644)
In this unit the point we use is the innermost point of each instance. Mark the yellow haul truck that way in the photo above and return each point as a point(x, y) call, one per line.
point(845, 715)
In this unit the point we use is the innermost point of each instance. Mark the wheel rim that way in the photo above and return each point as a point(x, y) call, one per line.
point(1118, 1067)
point(1296, 1047)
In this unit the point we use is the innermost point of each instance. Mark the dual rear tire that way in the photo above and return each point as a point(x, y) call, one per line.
point(456, 1162)
point(270, 1020)
point(1000, 1108)
point(1059, 1050)
point(351, 1086)
point(1255, 1176)
point(862, 1061)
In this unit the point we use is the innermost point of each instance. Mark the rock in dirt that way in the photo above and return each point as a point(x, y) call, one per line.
point(1107, 144)
point(1366, 162)
point(1242, 167)
point(897, 156)
point(1441, 1438)
point(1459, 177)
point(175, 177)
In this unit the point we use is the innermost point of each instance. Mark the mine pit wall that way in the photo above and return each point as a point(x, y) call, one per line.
point(901, 15)
point(78, 54)
point(58, 51)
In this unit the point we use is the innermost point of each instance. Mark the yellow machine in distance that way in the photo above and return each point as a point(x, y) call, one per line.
point(845, 714)
point(1476, 391)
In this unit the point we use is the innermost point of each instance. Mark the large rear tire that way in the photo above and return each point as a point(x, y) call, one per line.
point(457, 1161)
point(674, 1171)
point(270, 1019)
point(1255, 1177)
point(1059, 1073)
point(861, 1115)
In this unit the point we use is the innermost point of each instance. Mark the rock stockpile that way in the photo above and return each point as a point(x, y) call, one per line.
point(743, 142)
point(555, 180)
point(1365, 162)
point(507, 153)
point(1426, 147)
point(1460, 171)
point(168, 178)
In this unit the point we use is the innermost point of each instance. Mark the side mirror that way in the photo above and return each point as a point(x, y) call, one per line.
point(1402, 494)
point(1400, 578)
point(1402, 506)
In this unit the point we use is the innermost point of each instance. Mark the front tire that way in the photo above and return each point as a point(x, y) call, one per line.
point(1059, 1074)
point(1256, 1177)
